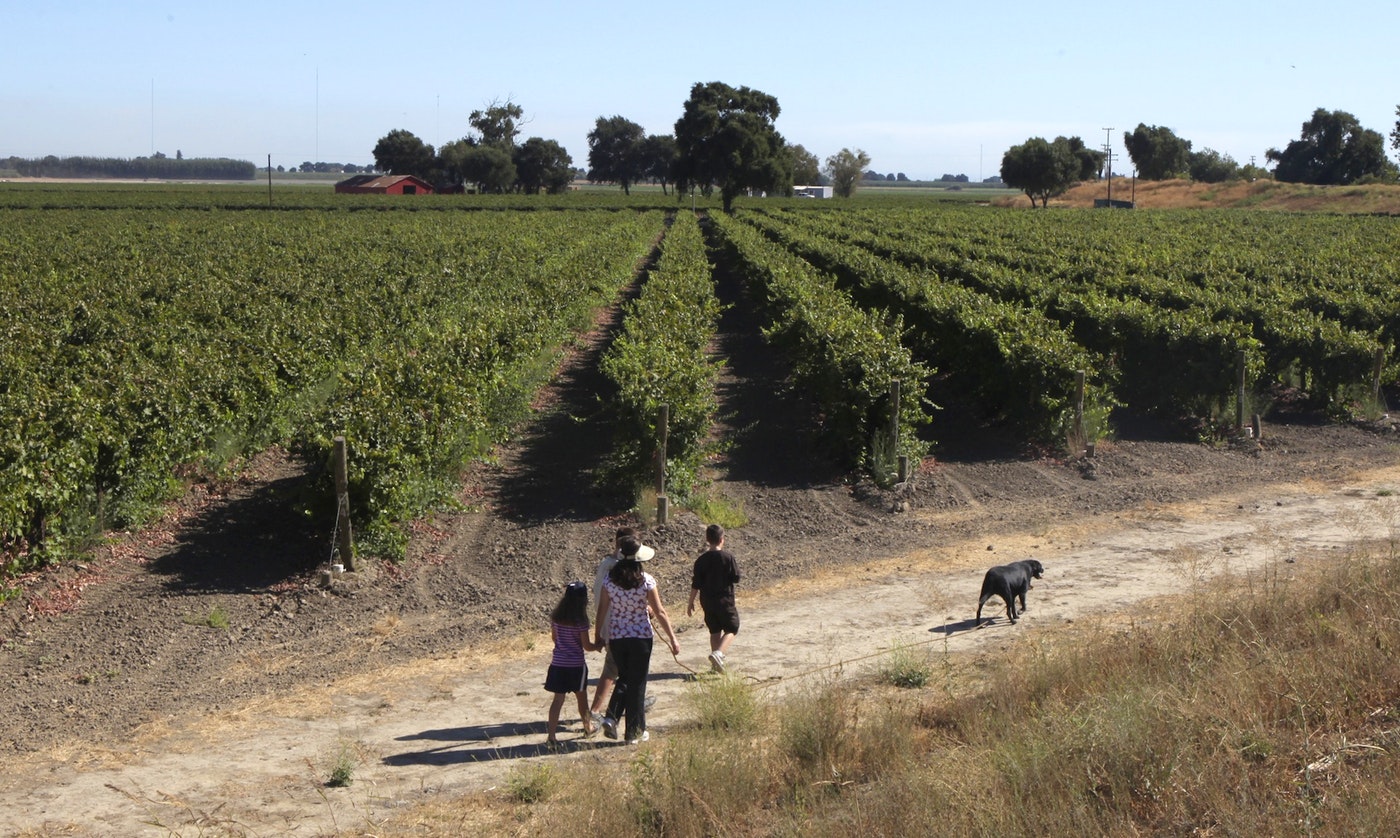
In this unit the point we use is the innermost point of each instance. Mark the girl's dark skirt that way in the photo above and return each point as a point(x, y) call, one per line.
point(566, 679)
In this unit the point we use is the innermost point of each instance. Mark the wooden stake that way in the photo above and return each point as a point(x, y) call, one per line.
point(1239, 395)
point(663, 421)
point(344, 540)
point(1079, 407)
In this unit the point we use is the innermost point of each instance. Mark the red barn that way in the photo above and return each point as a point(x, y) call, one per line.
point(385, 185)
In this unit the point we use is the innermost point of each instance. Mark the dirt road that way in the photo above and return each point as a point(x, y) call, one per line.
point(461, 720)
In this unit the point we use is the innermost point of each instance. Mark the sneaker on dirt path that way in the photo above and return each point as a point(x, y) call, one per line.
point(649, 702)
point(717, 662)
point(640, 739)
point(610, 728)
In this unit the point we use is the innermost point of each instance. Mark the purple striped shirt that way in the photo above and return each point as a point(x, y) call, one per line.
point(568, 644)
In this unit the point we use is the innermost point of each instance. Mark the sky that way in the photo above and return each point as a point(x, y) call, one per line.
point(924, 87)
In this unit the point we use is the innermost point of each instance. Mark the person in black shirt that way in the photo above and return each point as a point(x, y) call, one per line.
point(712, 582)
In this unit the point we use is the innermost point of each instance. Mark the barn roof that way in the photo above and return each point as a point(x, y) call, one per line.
point(376, 181)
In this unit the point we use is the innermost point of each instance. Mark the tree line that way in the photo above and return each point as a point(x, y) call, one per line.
point(724, 141)
point(155, 166)
point(1333, 149)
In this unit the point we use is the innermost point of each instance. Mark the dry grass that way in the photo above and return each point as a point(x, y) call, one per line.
point(1271, 709)
point(1263, 194)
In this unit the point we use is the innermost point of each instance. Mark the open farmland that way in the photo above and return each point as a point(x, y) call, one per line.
point(274, 330)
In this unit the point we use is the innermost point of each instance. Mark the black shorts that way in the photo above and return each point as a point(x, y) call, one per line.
point(566, 679)
point(721, 617)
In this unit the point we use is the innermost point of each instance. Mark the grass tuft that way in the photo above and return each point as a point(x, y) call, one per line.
point(905, 666)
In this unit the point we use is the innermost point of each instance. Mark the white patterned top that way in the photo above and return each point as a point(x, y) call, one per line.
point(627, 610)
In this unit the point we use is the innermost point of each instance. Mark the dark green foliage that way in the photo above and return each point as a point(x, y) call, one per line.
point(1333, 149)
point(543, 165)
point(402, 153)
point(616, 152)
point(726, 139)
point(156, 166)
point(1044, 169)
point(1210, 166)
point(1157, 153)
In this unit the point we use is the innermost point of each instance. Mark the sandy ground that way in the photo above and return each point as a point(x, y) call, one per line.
point(460, 721)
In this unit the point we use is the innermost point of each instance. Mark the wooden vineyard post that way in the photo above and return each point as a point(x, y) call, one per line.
point(902, 473)
point(1376, 377)
point(663, 421)
point(1079, 410)
point(344, 542)
point(1239, 394)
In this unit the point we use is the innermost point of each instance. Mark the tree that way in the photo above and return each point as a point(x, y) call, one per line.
point(498, 124)
point(1395, 133)
point(725, 138)
point(1043, 169)
point(543, 164)
point(401, 153)
point(1090, 162)
point(489, 167)
point(616, 152)
point(1157, 153)
point(659, 158)
point(1210, 166)
point(1333, 149)
point(846, 168)
point(806, 169)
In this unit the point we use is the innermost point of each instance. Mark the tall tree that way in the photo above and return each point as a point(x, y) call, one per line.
point(1041, 169)
point(1333, 149)
point(725, 138)
point(806, 168)
point(542, 164)
point(1157, 153)
point(846, 168)
point(616, 152)
point(498, 123)
point(659, 156)
point(401, 153)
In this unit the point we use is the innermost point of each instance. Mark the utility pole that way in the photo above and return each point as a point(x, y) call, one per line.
point(1108, 156)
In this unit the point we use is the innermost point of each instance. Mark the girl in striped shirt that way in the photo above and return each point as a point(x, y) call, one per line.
point(568, 671)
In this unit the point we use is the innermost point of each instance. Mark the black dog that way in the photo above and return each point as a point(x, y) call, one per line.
point(1009, 581)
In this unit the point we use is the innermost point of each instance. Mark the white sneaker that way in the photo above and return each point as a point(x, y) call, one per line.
point(717, 662)
point(646, 734)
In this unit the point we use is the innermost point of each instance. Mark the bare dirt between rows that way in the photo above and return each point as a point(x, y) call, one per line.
point(127, 713)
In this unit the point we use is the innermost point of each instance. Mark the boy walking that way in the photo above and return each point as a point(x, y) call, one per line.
point(713, 579)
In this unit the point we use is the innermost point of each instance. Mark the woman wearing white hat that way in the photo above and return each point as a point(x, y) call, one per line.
point(622, 614)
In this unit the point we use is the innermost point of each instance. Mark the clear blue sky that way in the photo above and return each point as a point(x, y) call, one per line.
point(925, 88)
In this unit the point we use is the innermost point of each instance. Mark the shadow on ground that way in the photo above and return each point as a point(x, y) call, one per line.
point(247, 544)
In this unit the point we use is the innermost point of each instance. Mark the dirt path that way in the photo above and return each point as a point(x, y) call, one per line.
point(462, 720)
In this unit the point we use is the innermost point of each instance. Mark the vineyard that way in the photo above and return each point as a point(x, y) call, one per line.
point(152, 335)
